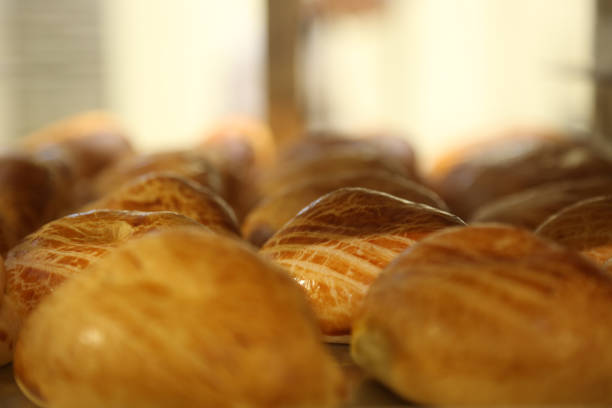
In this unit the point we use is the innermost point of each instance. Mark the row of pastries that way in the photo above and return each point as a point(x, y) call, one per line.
point(214, 275)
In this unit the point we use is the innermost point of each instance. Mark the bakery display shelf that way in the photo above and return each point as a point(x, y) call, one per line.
point(364, 393)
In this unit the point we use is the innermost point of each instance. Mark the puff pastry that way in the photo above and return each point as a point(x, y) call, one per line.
point(585, 226)
point(182, 318)
point(62, 249)
point(168, 192)
point(489, 315)
point(338, 245)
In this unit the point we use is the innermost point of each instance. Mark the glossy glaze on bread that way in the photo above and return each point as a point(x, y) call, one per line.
point(319, 143)
point(177, 319)
point(93, 140)
point(510, 165)
point(585, 226)
point(529, 208)
point(167, 192)
point(241, 148)
point(274, 211)
point(63, 248)
point(489, 315)
point(329, 162)
point(31, 194)
point(338, 245)
point(191, 165)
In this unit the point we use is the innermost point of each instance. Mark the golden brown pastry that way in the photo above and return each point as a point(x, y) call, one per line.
point(187, 164)
point(177, 319)
point(241, 148)
point(329, 162)
point(274, 211)
point(167, 192)
point(531, 207)
point(63, 248)
point(489, 315)
point(93, 140)
point(339, 244)
point(313, 144)
point(31, 194)
point(512, 164)
point(585, 226)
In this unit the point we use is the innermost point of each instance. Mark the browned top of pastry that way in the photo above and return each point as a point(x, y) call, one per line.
point(329, 162)
point(241, 148)
point(585, 226)
point(94, 140)
point(531, 207)
point(313, 144)
point(274, 211)
point(240, 142)
point(183, 163)
point(489, 315)
point(32, 194)
point(66, 246)
point(337, 246)
point(167, 192)
point(510, 166)
point(180, 318)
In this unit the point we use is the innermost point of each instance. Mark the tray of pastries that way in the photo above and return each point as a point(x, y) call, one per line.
point(326, 272)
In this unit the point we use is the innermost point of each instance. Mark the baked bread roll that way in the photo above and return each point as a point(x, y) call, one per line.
point(489, 315)
point(510, 165)
point(329, 162)
point(586, 227)
point(191, 165)
point(338, 245)
point(274, 211)
point(93, 140)
point(61, 249)
point(313, 144)
point(167, 192)
point(32, 194)
point(531, 207)
point(177, 319)
point(241, 148)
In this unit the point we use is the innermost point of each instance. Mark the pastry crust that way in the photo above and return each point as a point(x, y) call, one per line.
point(529, 208)
point(586, 227)
point(317, 143)
point(191, 165)
point(241, 148)
point(63, 248)
point(274, 211)
point(182, 318)
point(338, 245)
point(489, 315)
point(510, 165)
point(93, 140)
point(329, 162)
point(32, 194)
point(167, 192)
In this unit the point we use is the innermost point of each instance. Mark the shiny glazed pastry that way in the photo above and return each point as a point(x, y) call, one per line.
point(241, 148)
point(63, 248)
point(529, 208)
point(329, 162)
point(512, 164)
point(93, 140)
point(274, 211)
point(489, 315)
point(339, 244)
point(177, 319)
point(167, 192)
point(586, 227)
point(317, 143)
point(183, 163)
point(31, 194)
